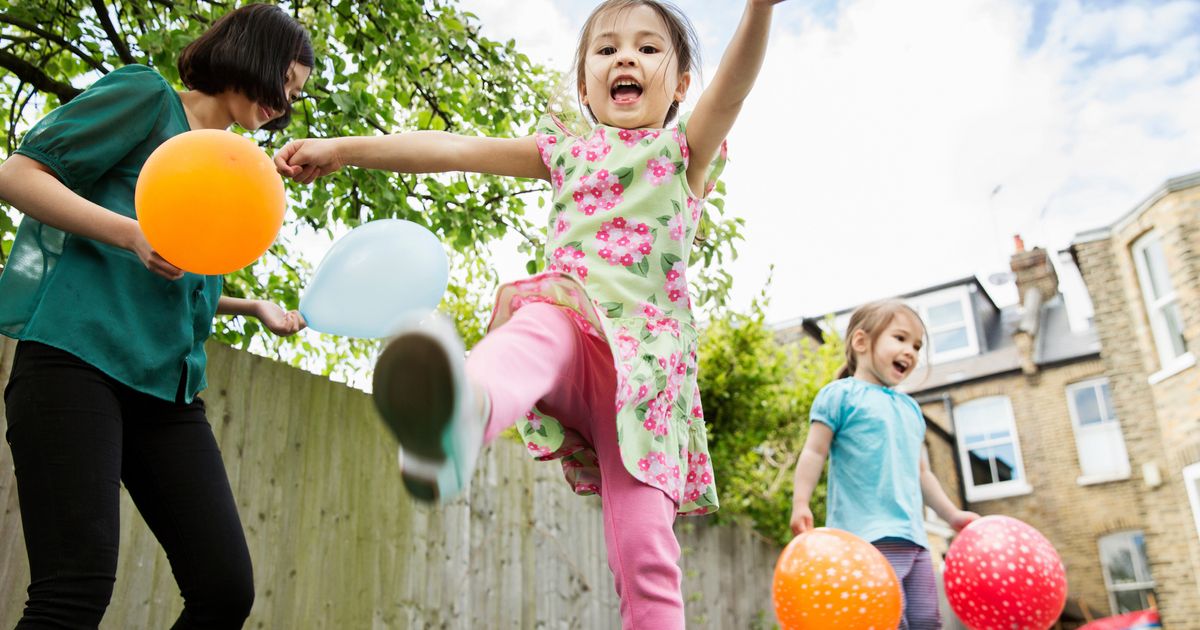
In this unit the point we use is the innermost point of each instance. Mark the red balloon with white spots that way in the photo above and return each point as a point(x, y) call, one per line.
point(1002, 574)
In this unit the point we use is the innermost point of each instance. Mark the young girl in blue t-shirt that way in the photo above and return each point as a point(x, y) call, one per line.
point(872, 435)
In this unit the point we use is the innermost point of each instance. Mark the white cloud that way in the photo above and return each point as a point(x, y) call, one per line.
point(541, 29)
point(887, 130)
point(1121, 29)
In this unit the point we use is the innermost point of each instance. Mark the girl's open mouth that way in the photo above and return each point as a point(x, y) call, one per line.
point(625, 91)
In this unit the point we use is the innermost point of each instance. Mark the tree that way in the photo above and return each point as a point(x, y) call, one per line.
point(757, 395)
point(383, 67)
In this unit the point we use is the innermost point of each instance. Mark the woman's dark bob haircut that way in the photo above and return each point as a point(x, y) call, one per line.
point(249, 50)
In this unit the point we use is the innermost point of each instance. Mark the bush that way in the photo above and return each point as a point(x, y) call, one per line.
point(757, 395)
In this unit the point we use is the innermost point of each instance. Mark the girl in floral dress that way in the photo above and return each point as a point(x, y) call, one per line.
point(594, 359)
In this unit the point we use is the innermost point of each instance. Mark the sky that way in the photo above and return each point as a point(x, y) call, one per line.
point(890, 146)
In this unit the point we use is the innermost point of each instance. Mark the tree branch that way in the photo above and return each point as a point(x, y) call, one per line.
point(431, 100)
point(512, 225)
point(34, 76)
point(118, 42)
point(12, 118)
point(19, 39)
point(24, 104)
point(35, 29)
point(378, 127)
point(495, 198)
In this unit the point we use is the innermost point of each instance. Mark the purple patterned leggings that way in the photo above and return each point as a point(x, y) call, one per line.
point(914, 569)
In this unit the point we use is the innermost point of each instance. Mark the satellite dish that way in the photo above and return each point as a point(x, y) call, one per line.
point(1003, 277)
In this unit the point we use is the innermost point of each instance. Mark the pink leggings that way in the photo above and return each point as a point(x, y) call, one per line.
point(541, 357)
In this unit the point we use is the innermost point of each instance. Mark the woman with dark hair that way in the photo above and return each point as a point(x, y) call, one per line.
point(111, 336)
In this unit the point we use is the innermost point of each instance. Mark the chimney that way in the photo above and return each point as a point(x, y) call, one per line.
point(1033, 270)
point(1037, 282)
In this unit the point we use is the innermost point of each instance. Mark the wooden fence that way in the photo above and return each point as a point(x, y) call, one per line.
point(336, 542)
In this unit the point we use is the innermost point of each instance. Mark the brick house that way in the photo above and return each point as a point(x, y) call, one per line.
point(1143, 275)
point(1092, 436)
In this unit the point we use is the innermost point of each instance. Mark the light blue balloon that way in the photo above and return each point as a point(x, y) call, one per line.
point(376, 275)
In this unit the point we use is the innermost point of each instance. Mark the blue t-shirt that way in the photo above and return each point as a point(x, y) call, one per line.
point(874, 461)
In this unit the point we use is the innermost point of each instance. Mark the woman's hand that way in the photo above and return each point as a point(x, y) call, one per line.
point(155, 263)
point(278, 321)
point(307, 159)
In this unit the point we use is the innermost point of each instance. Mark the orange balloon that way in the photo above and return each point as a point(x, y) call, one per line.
point(828, 578)
point(209, 201)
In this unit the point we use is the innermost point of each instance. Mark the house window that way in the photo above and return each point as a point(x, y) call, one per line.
point(1191, 480)
point(1126, 571)
point(951, 327)
point(1162, 304)
point(989, 448)
point(1098, 438)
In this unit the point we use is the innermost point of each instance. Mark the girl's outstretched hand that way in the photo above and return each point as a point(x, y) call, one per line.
point(802, 519)
point(279, 322)
point(307, 159)
point(961, 519)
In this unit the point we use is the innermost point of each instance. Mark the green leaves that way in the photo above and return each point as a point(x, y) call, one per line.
point(756, 396)
point(390, 66)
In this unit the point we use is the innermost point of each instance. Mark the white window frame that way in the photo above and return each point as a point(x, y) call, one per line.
point(1147, 583)
point(1191, 480)
point(1109, 424)
point(941, 298)
point(1155, 306)
point(998, 490)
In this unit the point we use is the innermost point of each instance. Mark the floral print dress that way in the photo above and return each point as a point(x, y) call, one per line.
point(620, 234)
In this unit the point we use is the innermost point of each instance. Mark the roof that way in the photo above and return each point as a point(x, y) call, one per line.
point(812, 323)
point(958, 282)
point(1175, 184)
point(1056, 343)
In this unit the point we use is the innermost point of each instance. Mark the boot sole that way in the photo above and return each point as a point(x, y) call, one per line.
point(414, 392)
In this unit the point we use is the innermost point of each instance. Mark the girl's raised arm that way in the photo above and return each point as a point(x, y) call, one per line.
point(721, 102)
point(412, 152)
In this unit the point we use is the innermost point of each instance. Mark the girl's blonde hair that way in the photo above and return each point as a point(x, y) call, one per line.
point(684, 42)
point(872, 318)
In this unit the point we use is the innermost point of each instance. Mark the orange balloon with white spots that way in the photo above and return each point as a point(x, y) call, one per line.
point(828, 578)
point(1002, 574)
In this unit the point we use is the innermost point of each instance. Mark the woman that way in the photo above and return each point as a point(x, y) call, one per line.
point(111, 351)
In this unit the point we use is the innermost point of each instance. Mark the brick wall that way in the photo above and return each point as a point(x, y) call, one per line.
point(1072, 516)
point(1161, 420)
